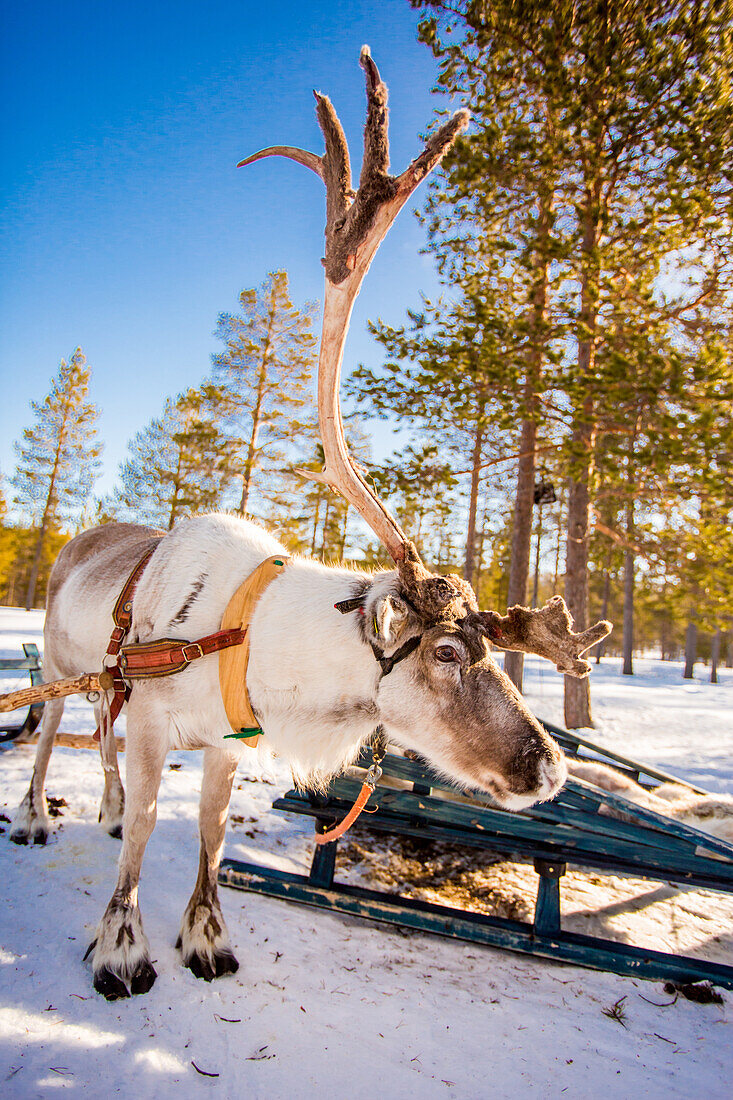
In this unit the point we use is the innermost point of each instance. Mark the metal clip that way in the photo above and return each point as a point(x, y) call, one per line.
point(373, 776)
point(191, 645)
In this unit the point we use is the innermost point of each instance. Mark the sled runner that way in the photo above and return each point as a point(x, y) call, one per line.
point(574, 828)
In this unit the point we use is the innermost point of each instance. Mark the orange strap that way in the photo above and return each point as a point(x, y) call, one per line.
point(373, 776)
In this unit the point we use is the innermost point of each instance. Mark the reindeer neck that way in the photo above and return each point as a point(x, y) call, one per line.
point(312, 679)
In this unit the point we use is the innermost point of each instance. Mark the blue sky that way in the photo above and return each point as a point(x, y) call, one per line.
point(126, 227)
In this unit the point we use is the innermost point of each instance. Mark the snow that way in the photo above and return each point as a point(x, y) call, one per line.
point(324, 1003)
point(682, 726)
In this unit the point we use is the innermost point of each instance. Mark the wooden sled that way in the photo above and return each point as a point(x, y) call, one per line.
point(30, 663)
point(570, 829)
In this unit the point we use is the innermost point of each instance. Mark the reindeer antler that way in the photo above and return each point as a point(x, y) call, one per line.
point(547, 631)
point(356, 224)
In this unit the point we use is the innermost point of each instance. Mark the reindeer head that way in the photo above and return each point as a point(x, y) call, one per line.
point(440, 693)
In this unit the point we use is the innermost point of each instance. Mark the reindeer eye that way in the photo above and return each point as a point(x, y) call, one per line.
point(446, 654)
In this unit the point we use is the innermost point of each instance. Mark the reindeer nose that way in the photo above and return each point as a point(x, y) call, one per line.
point(553, 773)
point(538, 773)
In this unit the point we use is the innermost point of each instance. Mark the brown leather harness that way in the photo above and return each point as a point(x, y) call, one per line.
point(147, 660)
point(166, 656)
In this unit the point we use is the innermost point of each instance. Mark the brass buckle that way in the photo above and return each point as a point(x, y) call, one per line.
point(191, 645)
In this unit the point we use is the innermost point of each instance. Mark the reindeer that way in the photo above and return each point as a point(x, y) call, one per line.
point(411, 654)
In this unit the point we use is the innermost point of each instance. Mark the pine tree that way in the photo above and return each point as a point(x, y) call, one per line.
point(264, 378)
point(438, 378)
point(636, 101)
point(178, 464)
point(492, 226)
point(308, 516)
point(419, 482)
point(8, 540)
point(58, 459)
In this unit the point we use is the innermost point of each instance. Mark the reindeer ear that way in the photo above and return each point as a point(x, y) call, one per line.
point(389, 618)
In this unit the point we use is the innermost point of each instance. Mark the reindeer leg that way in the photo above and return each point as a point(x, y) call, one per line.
point(112, 806)
point(204, 940)
point(31, 818)
point(121, 950)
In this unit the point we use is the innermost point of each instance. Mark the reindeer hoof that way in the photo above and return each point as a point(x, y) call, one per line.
point(37, 836)
point(208, 968)
point(226, 963)
point(109, 985)
point(144, 977)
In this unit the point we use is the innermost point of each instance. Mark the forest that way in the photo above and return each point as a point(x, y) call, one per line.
point(564, 406)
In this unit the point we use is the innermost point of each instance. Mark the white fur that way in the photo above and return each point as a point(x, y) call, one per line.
point(196, 940)
point(709, 813)
point(30, 820)
point(116, 951)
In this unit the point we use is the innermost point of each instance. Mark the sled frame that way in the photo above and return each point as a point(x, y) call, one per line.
point(570, 829)
point(30, 663)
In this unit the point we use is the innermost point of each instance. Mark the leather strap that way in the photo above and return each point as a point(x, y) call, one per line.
point(356, 603)
point(163, 657)
point(387, 663)
point(339, 830)
point(122, 618)
point(122, 611)
point(367, 788)
point(121, 693)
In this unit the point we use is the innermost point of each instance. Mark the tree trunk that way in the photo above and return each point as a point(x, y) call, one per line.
point(714, 657)
point(176, 489)
point(629, 556)
point(342, 541)
point(690, 650)
point(249, 464)
point(524, 497)
point(537, 555)
point(604, 609)
point(558, 548)
point(628, 641)
point(577, 692)
point(251, 460)
point(325, 527)
point(521, 539)
point(480, 556)
point(478, 450)
point(30, 596)
point(315, 524)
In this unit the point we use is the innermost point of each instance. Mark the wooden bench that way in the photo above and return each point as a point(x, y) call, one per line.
point(570, 829)
point(30, 663)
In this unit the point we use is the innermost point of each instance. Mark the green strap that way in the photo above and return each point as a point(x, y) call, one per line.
point(244, 734)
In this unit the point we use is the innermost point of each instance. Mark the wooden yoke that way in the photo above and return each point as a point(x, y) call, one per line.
point(233, 662)
point(356, 224)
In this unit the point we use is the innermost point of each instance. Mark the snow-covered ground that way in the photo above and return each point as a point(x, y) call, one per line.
point(323, 1003)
